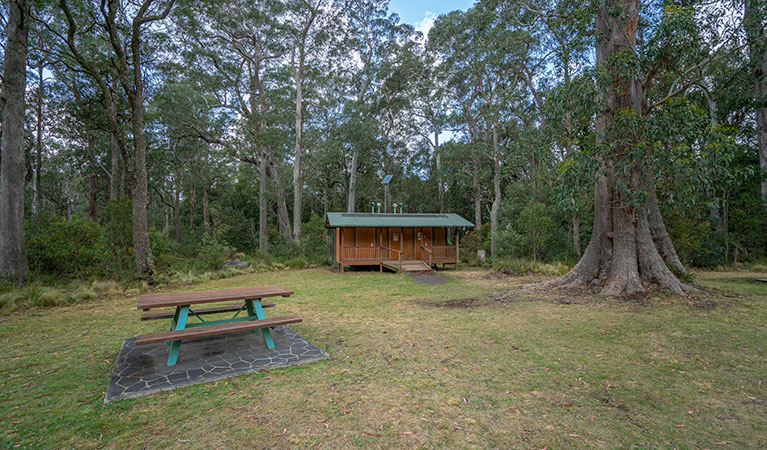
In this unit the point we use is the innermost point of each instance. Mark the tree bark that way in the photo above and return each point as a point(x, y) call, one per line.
point(576, 235)
point(13, 252)
point(114, 171)
point(142, 249)
point(438, 169)
point(205, 211)
point(755, 21)
point(283, 220)
point(262, 237)
point(93, 206)
point(298, 75)
point(38, 197)
point(496, 194)
point(177, 208)
point(350, 204)
point(297, 183)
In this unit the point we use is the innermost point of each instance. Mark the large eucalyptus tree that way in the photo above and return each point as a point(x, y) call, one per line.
point(13, 253)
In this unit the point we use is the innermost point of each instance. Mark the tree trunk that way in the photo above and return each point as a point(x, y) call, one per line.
point(576, 235)
point(477, 197)
point(38, 197)
point(192, 200)
point(755, 19)
point(13, 252)
point(283, 220)
point(93, 206)
point(142, 249)
point(177, 209)
point(629, 248)
point(262, 238)
point(438, 169)
point(114, 171)
point(297, 183)
point(352, 182)
point(496, 206)
point(205, 211)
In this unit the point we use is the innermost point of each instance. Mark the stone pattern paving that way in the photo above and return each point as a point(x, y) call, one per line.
point(143, 370)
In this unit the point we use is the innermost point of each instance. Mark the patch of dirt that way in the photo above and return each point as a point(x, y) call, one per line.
point(428, 278)
point(469, 302)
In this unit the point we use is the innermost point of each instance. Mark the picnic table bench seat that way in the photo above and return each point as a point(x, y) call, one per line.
point(190, 333)
point(197, 312)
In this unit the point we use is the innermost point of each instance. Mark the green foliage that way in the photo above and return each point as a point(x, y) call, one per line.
point(212, 255)
point(470, 242)
point(118, 239)
point(536, 228)
point(520, 266)
point(164, 249)
point(65, 247)
point(314, 241)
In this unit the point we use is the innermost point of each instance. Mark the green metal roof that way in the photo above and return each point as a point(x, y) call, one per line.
point(439, 220)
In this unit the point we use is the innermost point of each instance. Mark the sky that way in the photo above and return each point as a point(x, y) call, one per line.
point(421, 13)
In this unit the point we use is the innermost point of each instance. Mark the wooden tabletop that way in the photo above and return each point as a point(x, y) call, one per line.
point(220, 295)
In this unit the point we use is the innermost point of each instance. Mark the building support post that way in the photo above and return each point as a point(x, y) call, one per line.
point(457, 249)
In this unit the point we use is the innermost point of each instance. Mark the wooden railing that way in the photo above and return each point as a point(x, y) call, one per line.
point(426, 251)
point(441, 253)
point(399, 255)
point(362, 254)
point(429, 255)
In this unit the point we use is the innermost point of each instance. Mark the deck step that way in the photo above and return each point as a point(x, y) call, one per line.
point(411, 265)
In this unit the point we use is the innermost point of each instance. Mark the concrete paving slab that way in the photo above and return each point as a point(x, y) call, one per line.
point(143, 370)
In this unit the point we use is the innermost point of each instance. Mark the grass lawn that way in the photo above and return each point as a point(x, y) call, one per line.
point(415, 365)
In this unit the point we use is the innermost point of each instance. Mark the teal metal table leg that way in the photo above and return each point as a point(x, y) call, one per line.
point(255, 309)
point(182, 312)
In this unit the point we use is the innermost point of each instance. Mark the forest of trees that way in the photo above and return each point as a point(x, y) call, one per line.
point(627, 136)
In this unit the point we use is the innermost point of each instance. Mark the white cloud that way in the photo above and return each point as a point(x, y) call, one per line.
point(425, 25)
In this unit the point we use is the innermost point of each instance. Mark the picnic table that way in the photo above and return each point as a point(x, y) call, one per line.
point(185, 305)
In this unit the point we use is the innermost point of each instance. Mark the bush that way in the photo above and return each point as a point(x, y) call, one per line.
point(212, 255)
point(65, 247)
point(118, 239)
point(314, 245)
point(164, 249)
point(536, 228)
point(470, 242)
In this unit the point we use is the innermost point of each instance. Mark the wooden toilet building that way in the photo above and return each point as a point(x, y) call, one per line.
point(400, 242)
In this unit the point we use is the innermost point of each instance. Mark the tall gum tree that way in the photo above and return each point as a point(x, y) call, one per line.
point(13, 253)
point(755, 24)
point(630, 249)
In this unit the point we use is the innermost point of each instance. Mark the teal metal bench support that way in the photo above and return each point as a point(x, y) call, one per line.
point(255, 309)
point(179, 323)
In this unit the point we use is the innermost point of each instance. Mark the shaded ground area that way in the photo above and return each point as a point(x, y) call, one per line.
point(143, 370)
point(428, 278)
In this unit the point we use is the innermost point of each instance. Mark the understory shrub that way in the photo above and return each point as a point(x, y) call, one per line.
point(315, 247)
point(64, 247)
point(118, 262)
point(212, 255)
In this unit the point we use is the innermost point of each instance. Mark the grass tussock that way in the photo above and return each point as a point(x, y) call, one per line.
point(525, 266)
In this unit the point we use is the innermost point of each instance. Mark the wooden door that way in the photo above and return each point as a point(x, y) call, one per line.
point(408, 243)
